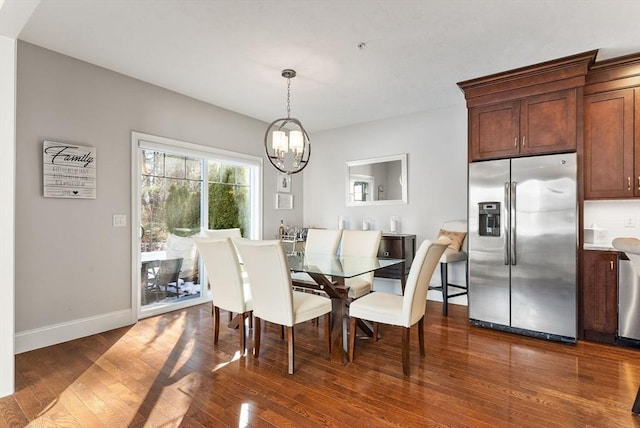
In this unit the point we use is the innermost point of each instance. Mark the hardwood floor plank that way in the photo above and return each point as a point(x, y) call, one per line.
point(166, 371)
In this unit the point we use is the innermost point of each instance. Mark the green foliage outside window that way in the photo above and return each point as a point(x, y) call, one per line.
point(182, 210)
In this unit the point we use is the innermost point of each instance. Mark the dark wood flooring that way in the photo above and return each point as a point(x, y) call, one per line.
point(165, 371)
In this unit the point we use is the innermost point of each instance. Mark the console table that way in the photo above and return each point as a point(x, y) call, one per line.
point(397, 246)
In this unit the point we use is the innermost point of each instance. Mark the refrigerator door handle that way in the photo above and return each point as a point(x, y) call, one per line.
point(512, 235)
point(505, 223)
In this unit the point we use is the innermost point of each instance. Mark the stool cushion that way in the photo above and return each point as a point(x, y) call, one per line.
point(451, 256)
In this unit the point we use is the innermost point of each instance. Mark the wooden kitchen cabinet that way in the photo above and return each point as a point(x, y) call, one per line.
point(528, 111)
point(600, 296)
point(534, 125)
point(612, 129)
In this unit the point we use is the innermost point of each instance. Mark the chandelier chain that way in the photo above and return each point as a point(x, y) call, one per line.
point(288, 98)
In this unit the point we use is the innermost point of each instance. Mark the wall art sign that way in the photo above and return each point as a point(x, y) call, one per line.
point(68, 170)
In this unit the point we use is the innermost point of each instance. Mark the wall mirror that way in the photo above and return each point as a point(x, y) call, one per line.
point(377, 181)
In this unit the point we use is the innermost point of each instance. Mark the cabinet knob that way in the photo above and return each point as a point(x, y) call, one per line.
point(523, 141)
point(515, 143)
point(386, 254)
point(611, 264)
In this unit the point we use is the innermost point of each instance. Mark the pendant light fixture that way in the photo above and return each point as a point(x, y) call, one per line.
point(286, 142)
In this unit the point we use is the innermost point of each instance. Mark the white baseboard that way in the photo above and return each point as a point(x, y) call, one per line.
point(63, 332)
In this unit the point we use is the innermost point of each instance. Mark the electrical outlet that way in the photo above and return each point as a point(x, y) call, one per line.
point(119, 220)
point(630, 221)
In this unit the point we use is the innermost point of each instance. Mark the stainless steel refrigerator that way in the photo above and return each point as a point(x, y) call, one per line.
point(523, 245)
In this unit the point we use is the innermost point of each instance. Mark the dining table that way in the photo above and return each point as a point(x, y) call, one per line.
point(329, 273)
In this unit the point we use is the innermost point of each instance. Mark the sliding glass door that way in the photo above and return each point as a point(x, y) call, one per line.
point(182, 191)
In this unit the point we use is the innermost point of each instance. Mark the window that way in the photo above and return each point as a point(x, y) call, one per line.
point(183, 189)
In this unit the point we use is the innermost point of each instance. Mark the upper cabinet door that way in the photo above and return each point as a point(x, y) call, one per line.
point(548, 123)
point(527, 111)
point(608, 145)
point(494, 131)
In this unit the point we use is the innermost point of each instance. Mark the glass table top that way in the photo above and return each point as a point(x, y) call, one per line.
point(337, 266)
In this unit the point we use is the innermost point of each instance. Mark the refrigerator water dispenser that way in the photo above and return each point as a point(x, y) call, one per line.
point(489, 218)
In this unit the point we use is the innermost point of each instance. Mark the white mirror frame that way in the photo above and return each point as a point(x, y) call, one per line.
point(403, 180)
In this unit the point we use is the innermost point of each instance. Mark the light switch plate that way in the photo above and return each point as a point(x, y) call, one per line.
point(119, 220)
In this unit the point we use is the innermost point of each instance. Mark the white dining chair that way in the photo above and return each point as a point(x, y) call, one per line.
point(233, 233)
point(229, 287)
point(274, 300)
point(319, 241)
point(404, 311)
point(360, 243)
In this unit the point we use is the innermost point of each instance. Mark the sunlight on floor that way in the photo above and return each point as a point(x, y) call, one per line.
point(235, 357)
point(243, 421)
point(133, 396)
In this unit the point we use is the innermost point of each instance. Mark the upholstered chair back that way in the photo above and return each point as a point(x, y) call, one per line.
point(222, 233)
point(223, 271)
point(323, 241)
point(360, 243)
point(266, 264)
point(415, 293)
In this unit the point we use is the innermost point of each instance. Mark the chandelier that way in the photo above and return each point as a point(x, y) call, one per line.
point(286, 142)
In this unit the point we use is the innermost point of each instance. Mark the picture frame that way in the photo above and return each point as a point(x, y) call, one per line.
point(68, 170)
point(284, 201)
point(284, 183)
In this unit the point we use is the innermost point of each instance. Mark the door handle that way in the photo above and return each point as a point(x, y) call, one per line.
point(628, 183)
point(524, 140)
point(514, 186)
point(505, 223)
point(515, 143)
point(611, 264)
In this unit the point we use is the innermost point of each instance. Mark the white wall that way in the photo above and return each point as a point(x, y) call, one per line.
point(73, 269)
point(7, 214)
point(436, 143)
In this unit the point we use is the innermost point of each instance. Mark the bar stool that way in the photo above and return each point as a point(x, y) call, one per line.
point(455, 230)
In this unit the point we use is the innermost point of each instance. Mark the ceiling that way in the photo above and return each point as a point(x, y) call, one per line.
point(230, 53)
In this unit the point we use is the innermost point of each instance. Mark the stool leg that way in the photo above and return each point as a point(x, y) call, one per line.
point(635, 410)
point(445, 292)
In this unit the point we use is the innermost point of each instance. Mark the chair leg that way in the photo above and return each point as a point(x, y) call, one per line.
point(352, 337)
point(216, 324)
point(290, 347)
point(256, 338)
point(376, 329)
point(250, 319)
point(406, 366)
point(445, 292)
point(230, 316)
point(281, 332)
point(327, 331)
point(243, 335)
point(421, 336)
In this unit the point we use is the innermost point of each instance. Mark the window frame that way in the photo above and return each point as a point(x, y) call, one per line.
point(140, 141)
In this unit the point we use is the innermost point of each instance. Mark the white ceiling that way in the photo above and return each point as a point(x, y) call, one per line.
point(231, 52)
